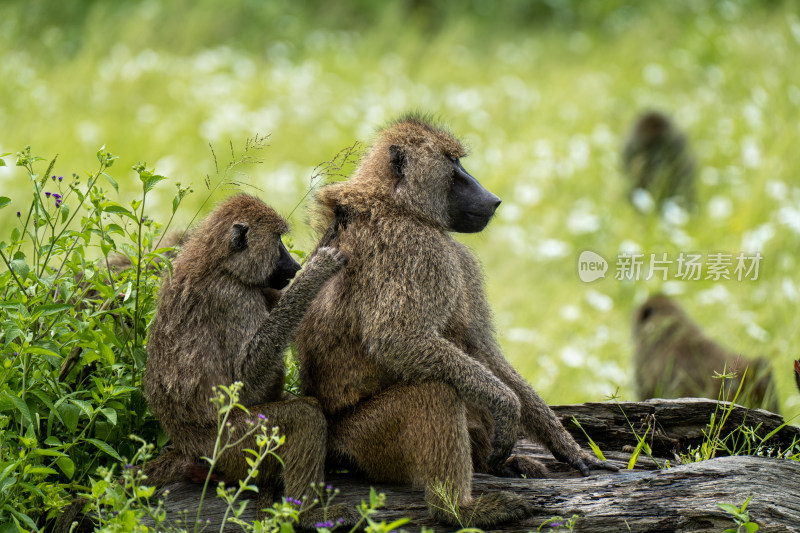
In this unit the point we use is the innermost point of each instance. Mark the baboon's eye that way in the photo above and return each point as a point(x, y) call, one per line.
point(647, 312)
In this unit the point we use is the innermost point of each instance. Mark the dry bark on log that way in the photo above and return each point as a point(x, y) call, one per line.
point(680, 498)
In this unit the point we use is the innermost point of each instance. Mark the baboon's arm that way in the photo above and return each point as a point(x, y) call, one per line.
point(262, 356)
point(418, 357)
point(537, 420)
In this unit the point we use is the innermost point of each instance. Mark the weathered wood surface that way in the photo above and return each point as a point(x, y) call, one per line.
point(680, 498)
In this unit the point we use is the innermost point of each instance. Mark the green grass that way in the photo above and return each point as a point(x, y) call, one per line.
point(543, 103)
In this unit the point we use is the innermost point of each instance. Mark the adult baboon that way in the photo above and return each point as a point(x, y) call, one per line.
point(674, 359)
point(399, 348)
point(222, 318)
point(656, 158)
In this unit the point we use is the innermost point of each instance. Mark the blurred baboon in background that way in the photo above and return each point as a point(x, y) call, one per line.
point(118, 262)
point(399, 347)
point(657, 159)
point(675, 359)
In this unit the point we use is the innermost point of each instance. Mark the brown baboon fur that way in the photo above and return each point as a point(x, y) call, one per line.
point(675, 359)
point(218, 322)
point(657, 158)
point(399, 348)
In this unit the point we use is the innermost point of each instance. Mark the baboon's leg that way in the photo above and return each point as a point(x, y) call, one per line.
point(303, 452)
point(303, 425)
point(418, 434)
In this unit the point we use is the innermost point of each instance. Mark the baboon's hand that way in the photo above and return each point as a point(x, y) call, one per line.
point(583, 461)
point(501, 451)
point(328, 260)
point(506, 425)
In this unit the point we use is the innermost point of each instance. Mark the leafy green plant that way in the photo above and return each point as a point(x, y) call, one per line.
point(741, 516)
point(73, 332)
point(741, 440)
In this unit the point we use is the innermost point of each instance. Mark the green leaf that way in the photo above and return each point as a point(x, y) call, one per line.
point(751, 527)
point(112, 181)
point(641, 445)
point(99, 488)
point(21, 516)
point(83, 406)
point(116, 209)
point(4, 200)
point(46, 451)
point(11, 333)
point(728, 508)
point(747, 501)
point(67, 466)
point(19, 265)
point(150, 181)
point(20, 404)
point(103, 446)
point(49, 309)
point(110, 414)
point(70, 415)
point(397, 523)
point(40, 470)
point(595, 448)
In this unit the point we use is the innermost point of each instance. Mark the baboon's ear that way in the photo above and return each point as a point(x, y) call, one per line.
point(239, 236)
point(397, 161)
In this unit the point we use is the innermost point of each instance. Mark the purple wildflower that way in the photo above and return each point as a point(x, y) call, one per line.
point(329, 487)
point(261, 416)
point(340, 521)
point(54, 178)
point(294, 502)
point(60, 178)
point(47, 193)
point(128, 466)
point(19, 214)
point(327, 523)
point(15, 354)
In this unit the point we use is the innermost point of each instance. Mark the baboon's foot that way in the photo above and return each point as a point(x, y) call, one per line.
point(489, 509)
point(521, 466)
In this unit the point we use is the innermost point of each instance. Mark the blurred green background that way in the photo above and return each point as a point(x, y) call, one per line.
point(543, 92)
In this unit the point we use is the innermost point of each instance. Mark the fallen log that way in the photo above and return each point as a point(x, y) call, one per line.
point(649, 497)
point(682, 498)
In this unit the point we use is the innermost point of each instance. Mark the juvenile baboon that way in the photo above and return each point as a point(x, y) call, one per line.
point(222, 318)
point(399, 347)
point(675, 359)
point(657, 158)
